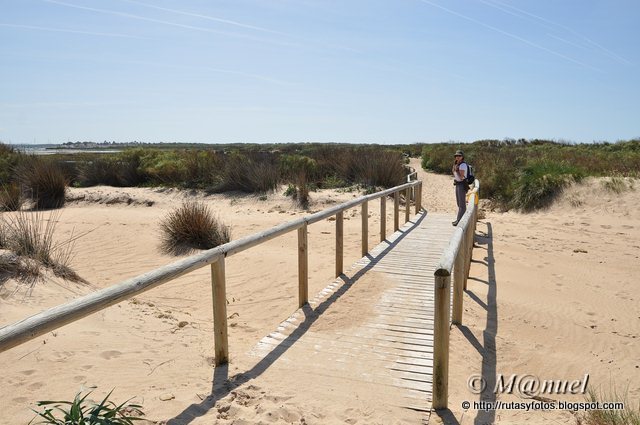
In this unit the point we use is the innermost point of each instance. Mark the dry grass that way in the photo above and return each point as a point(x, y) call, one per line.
point(630, 415)
point(45, 182)
point(10, 197)
point(30, 237)
point(192, 226)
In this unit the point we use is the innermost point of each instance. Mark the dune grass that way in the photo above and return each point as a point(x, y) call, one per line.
point(190, 227)
point(44, 180)
point(31, 238)
point(630, 415)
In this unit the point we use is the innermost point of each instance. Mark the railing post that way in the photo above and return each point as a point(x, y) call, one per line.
point(396, 211)
point(383, 218)
point(459, 281)
point(418, 197)
point(365, 228)
point(339, 242)
point(219, 292)
point(441, 341)
point(407, 204)
point(303, 266)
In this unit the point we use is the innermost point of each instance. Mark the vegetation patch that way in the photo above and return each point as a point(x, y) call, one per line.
point(529, 174)
point(190, 227)
point(83, 411)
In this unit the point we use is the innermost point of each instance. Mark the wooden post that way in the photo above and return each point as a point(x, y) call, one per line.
point(441, 342)
point(303, 266)
point(396, 211)
point(407, 204)
point(383, 218)
point(365, 228)
point(459, 282)
point(339, 242)
point(418, 197)
point(218, 289)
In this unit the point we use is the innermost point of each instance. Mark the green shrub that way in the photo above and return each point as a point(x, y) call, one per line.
point(82, 411)
point(539, 184)
point(250, 173)
point(192, 226)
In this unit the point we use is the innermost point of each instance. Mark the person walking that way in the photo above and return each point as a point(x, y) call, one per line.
point(460, 171)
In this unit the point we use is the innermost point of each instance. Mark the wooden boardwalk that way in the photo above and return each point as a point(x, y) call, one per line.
point(373, 325)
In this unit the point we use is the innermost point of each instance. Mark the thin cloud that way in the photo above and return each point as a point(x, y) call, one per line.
point(523, 14)
point(207, 17)
point(217, 70)
point(508, 34)
point(65, 30)
point(163, 22)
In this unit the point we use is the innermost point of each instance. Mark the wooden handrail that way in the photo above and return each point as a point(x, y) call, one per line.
point(24, 330)
point(457, 258)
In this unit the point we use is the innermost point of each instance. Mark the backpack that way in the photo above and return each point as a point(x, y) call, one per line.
point(470, 177)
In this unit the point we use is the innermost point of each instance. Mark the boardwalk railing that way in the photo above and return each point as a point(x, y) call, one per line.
point(48, 320)
point(456, 258)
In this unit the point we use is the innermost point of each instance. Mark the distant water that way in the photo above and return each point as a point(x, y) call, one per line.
point(38, 150)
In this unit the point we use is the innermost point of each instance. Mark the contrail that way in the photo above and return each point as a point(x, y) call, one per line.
point(501, 6)
point(210, 18)
point(169, 23)
point(103, 34)
point(508, 34)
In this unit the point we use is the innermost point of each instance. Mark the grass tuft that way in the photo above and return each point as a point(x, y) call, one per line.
point(31, 237)
point(10, 197)
point(45, 182)
point(630, 415)
point(83, 411)
point(190, 227)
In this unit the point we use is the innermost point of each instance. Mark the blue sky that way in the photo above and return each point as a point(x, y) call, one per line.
point(401, 71)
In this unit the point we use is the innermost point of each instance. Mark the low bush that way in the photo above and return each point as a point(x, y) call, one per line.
point(192, 226)
point(540, 183)
point(299, 170)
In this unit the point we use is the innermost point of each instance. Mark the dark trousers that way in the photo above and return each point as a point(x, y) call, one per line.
point(461, 199)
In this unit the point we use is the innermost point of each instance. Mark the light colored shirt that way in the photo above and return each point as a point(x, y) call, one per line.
point(463, 167)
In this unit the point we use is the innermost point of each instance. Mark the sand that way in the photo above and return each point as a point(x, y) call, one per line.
point(537, 304)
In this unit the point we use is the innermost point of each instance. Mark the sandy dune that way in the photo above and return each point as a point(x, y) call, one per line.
point(552, 294)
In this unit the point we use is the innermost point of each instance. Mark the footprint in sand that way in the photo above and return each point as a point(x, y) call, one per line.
point(111, 354)
point(36, 386)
